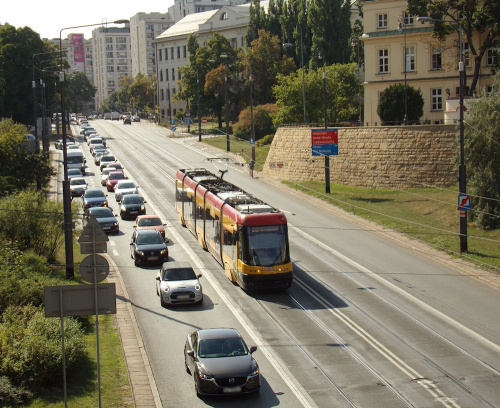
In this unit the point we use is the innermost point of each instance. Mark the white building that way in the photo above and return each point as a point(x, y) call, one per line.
point(144, 28)
point(231, 22)
point(112, 60)
point(183, 8)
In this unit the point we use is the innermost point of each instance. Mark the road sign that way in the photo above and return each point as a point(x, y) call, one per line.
point(204, 121)
point(78, 300)
point(93, 248)
point(101, 268)
point(188, 112)
point(173, 128)
point(93, 232)
point(325, 142)
point(172, 121)
point(251, 140)
point(463, 202)
point(188, 120)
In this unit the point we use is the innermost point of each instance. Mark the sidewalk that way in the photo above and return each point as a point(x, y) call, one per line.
point(142, 383)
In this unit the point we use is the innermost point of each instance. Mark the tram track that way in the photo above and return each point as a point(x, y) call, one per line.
point(152, 157)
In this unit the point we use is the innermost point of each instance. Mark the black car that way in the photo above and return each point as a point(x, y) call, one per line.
point(105, 218)
point(148, 247)
point(131, 206)
point(221, 363)
point(127, 120)
point(94, 197)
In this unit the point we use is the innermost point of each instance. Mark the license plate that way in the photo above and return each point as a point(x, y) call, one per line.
point(229, 390)
point(106, 228)
point(183, 297)
point(152, 258)
point(134, 212)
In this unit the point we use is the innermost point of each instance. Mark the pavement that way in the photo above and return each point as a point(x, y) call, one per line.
point(142, 384)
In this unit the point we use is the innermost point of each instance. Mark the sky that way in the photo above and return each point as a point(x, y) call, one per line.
point(48, 17)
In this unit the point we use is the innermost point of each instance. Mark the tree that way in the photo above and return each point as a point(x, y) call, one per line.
point(17, 48)
point(258, 21)
point(391, 106)
point(19, 168)
point(482, 157)
point(264, 61)
point(79, 91)
point(262, 121)
point(478, 18)
point(329, 21)
point(142, 91)
point(342, 84)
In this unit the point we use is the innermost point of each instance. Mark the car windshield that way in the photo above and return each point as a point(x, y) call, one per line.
point(77, 182)
point(101, 212)
point(106, 171)
point(148, 239)
point(129, 199)
point(178, 274)
point(126, 185)
point(74, 159)
point(216, 348)
point(74, 172)
point(149, 222)
point(116, 176)
point(108, 158)
point(94, 193)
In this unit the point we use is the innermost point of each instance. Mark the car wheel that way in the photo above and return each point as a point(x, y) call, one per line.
point(136, 263)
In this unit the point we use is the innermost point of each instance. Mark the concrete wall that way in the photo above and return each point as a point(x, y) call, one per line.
point(378, 157)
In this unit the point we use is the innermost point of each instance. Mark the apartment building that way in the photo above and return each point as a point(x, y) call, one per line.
point(391, 37)
point(230, 22)
point(144, 28)
point(182, 8)
point(112, 59)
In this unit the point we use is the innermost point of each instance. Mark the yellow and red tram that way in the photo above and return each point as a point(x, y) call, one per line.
point(248, 237)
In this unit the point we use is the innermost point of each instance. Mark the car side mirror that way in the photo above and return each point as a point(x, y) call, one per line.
point(190, 353)
point(199, 276)
point(135, 226)
point(253, 349)
point(157, 278)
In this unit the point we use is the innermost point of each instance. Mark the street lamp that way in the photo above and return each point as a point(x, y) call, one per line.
point(402, 27)
point(327, 157)
point(199, 109)
point(462, 177)
point(68, 219)
point(226, 103)
point(252, 131)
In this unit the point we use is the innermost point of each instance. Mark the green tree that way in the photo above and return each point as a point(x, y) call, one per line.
point(19, 168)
point(142, 91)
point(258, 21)
point(79, 91)
point(391, 106)
point(329, 22)
point(17, 48)
point(482, 155)
point(262, 121)
point(478, 18)
point(264, 61)
point(342, 84)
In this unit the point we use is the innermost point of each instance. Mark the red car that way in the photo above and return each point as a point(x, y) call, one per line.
point(113, 178)
point(150, 222)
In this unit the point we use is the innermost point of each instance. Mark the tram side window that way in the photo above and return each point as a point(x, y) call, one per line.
point(199, 211)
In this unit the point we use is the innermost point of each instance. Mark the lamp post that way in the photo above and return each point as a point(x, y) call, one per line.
point(199, 109)
point(402, 27)
point(327, 157)
point(226, 103)
point(462, 174)
point(252, 131)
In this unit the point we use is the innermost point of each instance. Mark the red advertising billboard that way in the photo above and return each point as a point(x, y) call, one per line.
point(78, 48)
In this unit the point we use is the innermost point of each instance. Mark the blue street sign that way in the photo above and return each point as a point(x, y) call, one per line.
point(172, 121)
point(188, 120)
point(252, 140)
point(463, 202)
point(173, 128)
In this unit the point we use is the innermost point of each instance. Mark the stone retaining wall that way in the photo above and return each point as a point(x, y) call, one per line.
point(379, 157)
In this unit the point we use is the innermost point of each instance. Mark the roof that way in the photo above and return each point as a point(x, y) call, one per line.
point(221, 333)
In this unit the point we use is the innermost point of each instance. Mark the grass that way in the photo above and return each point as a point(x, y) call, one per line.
point(429, 215)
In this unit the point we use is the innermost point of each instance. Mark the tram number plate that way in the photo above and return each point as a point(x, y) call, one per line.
point(229, 390)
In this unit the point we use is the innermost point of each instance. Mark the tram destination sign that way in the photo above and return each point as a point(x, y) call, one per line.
point(325, 142)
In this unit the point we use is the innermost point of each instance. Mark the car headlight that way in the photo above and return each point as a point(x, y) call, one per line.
point(122, 207)
point(164, 251)
point(197, 287)
point(204, 376)
point(255, 371)
point(105, 204)
point(143, 207)
point(166, 289)
point(139, 253)
point(116, 224)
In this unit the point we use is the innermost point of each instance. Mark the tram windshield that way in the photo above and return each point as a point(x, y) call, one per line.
point(266, 245)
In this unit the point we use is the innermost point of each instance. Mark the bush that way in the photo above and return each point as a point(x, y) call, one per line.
point(30, 346)
point(391, 107)
point(262, 119)
point(11, 396)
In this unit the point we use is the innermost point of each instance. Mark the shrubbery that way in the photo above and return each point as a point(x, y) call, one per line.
point(262, 118)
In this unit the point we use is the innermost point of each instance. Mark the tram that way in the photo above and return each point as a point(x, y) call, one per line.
point(248, 237)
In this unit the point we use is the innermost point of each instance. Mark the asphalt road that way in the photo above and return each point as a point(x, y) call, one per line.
point(369, 321)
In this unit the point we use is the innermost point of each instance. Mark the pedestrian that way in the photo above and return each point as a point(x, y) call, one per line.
point(251, 165)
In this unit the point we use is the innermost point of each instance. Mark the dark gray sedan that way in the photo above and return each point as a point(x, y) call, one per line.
point(131, 206)
point(148, 247)
point(105, 218)
point(221, 363)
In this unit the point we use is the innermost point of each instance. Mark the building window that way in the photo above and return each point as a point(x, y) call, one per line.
point(224, 16)
point(184, 51)
point(160, 54)
point(162, 95)
point(410, 59)
point(178, 52)
point(166, 54)
point(173, 74)
point(409, 19)
point(166, 74)
point(489, 90)
point(168, 94)
point(173, 93)
point(381, 20)
point(109, 40)
point(109, 54)
point(179, 74)
point(436, 60)
point(161, 75)
point(383, 61)
point(436, 99)
point(172, 52)
point(491, 56)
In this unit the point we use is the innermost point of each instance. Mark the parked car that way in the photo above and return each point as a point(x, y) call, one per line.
point(127, 120)
point(124, 187)
point(149, 222)
point(177, 283)
point(113, 178)
point(131, 206)
point(77, 186)
point(106, 219)
point(94, 197)
point(148, 247)
point(221, 363)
